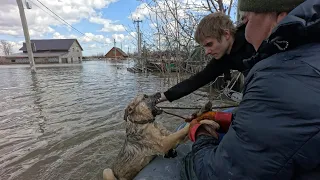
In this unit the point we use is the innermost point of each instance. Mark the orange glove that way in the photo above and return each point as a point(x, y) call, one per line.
point(222, 118)
point(207, 115)
point(206, 127)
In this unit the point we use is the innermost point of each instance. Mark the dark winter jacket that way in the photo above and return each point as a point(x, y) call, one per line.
point(275, 131)
point(241, 49)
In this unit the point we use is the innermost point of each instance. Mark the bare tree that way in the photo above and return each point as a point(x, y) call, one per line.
point(6, 47)
point(173, 26)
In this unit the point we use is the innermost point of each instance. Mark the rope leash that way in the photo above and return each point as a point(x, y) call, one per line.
point(217, 107)
point(176, 115)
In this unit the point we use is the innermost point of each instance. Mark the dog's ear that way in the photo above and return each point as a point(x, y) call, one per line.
point(128, 111)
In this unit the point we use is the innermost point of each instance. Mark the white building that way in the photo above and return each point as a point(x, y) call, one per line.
point(50, 51)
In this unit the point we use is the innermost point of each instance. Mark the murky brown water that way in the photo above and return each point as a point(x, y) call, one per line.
point(66, 122)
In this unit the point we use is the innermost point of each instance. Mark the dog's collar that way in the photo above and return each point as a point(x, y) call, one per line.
point(143, 122)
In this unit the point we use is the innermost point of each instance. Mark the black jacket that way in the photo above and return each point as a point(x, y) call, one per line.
point(275, 133)
point(241, 49)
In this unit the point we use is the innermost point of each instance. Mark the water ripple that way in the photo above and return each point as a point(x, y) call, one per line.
point(67, 122)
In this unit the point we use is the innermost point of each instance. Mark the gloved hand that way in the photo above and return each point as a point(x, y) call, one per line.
point(204, 127)
point(222, 118)
point(160, 97)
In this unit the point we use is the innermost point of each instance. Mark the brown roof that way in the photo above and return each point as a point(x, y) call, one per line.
point(119, 50)
point(52, 44)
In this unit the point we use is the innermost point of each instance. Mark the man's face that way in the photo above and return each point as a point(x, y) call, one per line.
point(260, 25)
point(215, 48)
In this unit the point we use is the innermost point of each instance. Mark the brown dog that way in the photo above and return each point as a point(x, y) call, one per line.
point(144, 139)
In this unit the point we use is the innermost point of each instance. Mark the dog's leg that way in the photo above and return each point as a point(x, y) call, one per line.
point(108, 175)
point(172, 153)
point(173, 139)
point(163, 131)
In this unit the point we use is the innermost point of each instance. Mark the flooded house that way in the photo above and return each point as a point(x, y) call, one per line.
point(47, 51)
point(116, 53)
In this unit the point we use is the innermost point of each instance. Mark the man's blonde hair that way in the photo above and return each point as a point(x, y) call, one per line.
point(214, 26)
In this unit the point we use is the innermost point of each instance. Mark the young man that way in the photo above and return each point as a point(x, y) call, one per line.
point(276, 129)
point(228, 46)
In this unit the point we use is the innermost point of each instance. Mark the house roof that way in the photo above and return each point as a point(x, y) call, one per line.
point(119, 50)
point(52, 44)
point(40, 54)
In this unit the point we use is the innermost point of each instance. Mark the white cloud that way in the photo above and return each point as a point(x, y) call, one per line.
point(57, 35)
point(141, 12)
point(16, 46)
point(113, 28)
point(90, 37)
point(93, 46)
point(99, 20)
point(153, 25)
point(108, 40)
point(161, 8)
point(96, 38)
point(73, 36)
point(118, 37)
point(108, 25)
point(133, 34)
point(40, 23)
point(9, 32)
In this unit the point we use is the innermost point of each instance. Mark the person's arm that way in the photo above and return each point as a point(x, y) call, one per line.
point(214, 69)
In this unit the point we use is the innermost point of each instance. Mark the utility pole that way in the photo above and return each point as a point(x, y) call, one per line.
point(26, 35)
point(115, 49)
point(139, 37)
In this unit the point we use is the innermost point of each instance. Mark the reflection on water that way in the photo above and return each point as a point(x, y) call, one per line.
point(66, 122)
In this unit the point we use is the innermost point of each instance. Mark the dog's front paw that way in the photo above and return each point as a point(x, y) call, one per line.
point(172, 153)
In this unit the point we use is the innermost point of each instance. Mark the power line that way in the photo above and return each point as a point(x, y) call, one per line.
point(63, 21)
point(46, 11)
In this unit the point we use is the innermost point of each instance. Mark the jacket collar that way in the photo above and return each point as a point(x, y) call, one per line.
point(301, 26)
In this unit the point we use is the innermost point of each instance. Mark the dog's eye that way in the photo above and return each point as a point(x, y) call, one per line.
point(145, 96)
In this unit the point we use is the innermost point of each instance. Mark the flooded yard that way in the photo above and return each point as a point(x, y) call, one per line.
point(67, 122)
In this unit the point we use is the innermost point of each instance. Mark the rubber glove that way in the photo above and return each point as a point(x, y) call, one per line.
point(222, 118)
point(204, 127)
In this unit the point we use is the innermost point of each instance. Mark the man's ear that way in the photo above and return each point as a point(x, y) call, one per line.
point(129, 110)
point(281, 16)
point(227, 34)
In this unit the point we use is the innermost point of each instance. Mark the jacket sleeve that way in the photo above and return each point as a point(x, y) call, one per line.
point(209, 73)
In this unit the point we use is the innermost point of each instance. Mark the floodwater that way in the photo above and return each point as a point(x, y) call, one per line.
point(67, 122)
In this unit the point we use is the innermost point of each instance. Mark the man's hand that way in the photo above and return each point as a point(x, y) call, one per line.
point(222, 118)
point(204, 127)
point(160, 97)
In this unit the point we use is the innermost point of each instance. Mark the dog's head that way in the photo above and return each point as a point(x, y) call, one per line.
point(142, 109)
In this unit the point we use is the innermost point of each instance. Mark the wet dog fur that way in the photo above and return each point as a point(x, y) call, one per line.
point(144, 139)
